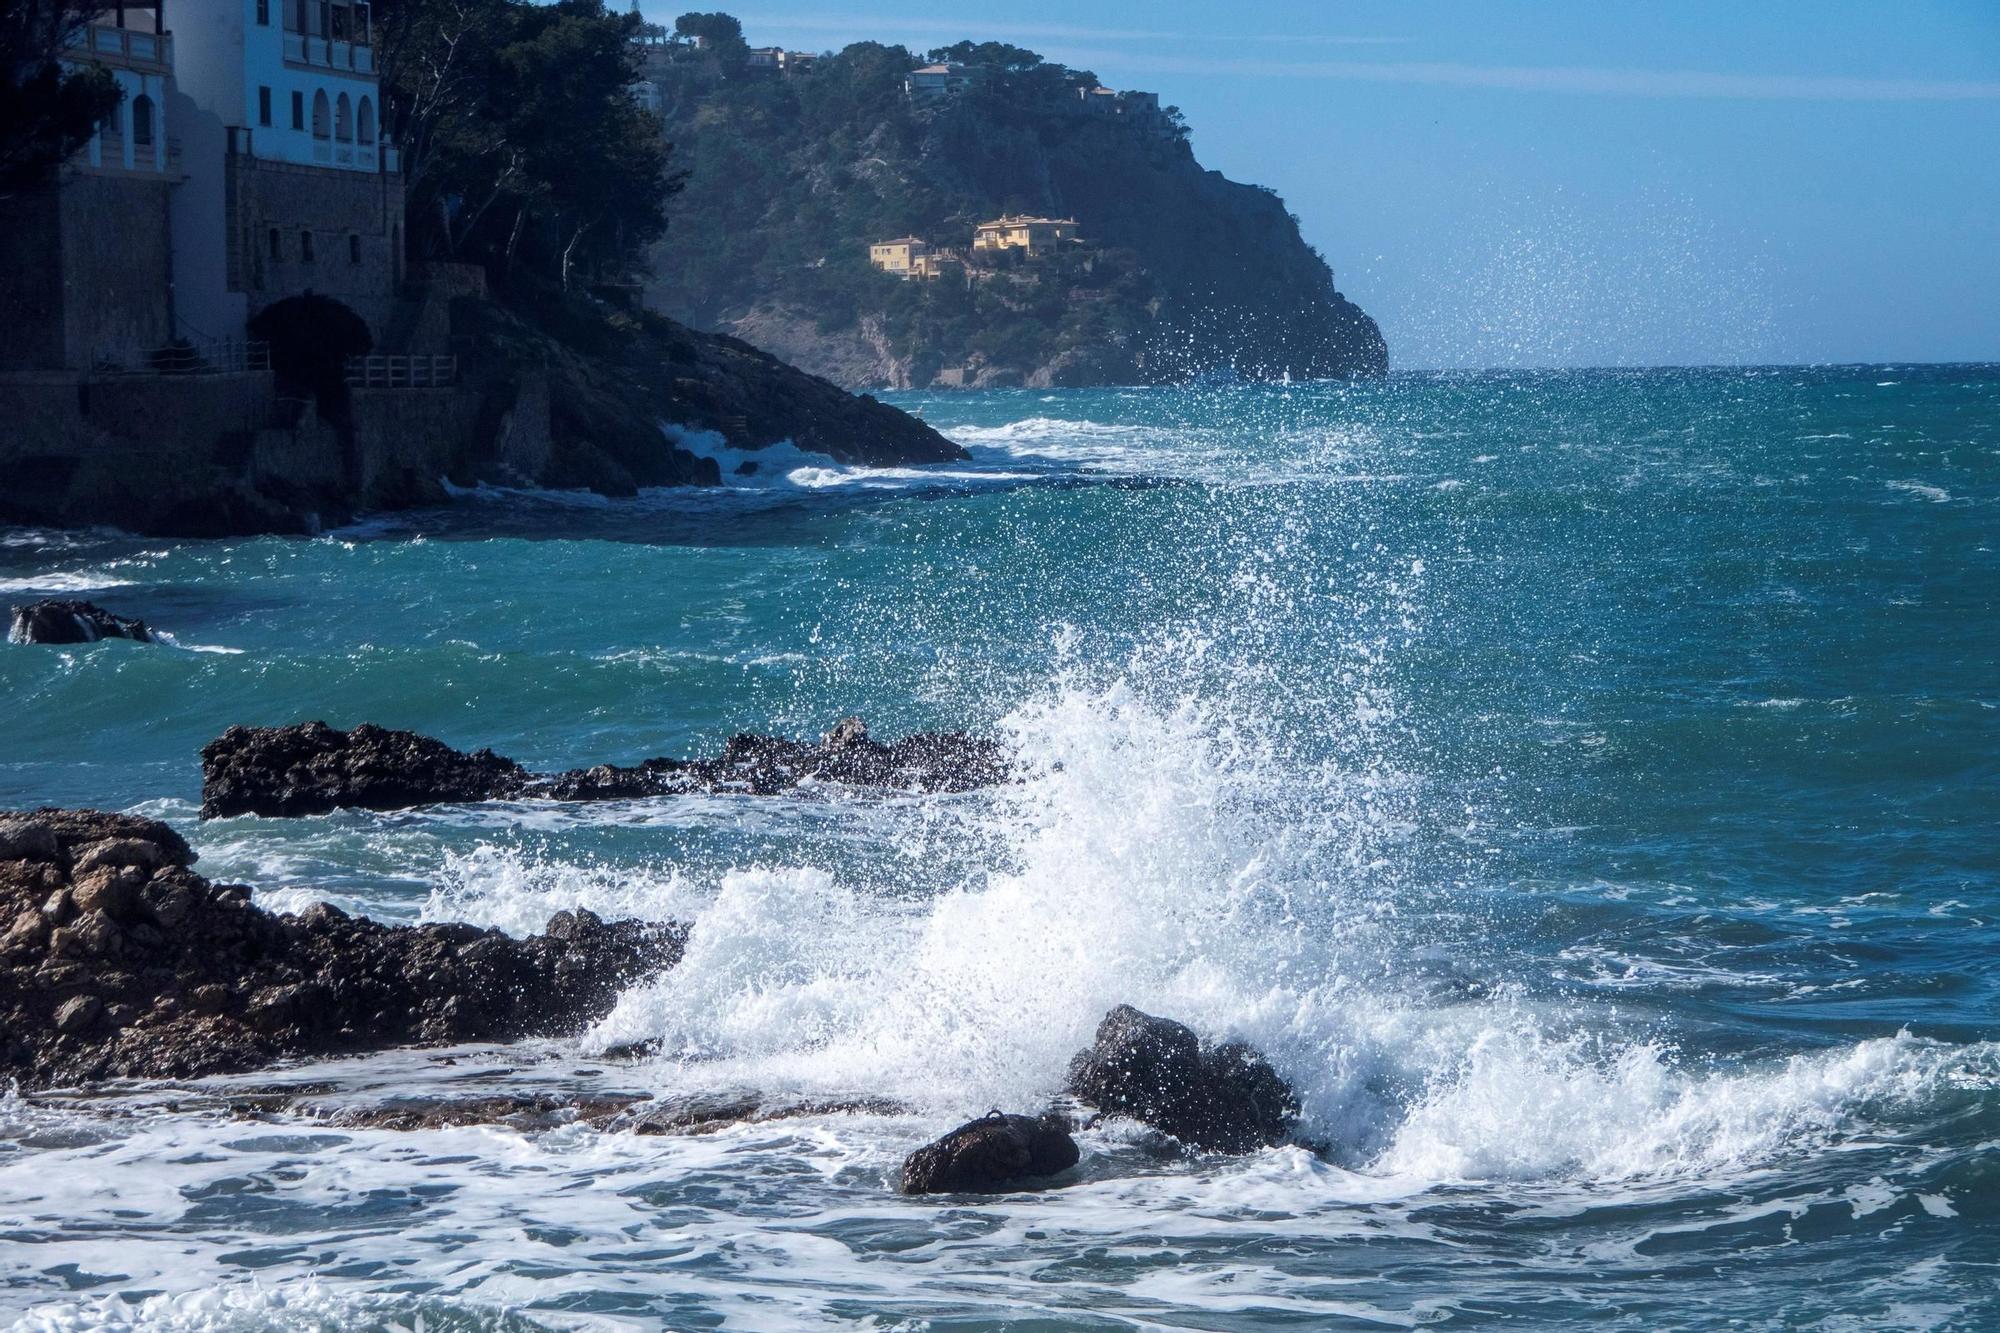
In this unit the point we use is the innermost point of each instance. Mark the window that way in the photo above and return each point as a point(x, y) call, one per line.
point(263, 106)
point(277, 243)
point(364, 122)
point(264, 19)
point(353, 248)
point(322, 116)
point(306, 247)
point(338, 27)
point(298, 111)
point(343, 120)
point(142, 121)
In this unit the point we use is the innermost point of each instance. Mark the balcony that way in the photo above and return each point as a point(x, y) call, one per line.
point(329, 53)
point(151, 52)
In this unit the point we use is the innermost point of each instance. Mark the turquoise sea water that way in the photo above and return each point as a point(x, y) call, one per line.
point(1584, 786)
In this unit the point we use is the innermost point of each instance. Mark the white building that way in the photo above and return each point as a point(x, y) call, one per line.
point(292, 185)
point(132, 44)
point(297, 75)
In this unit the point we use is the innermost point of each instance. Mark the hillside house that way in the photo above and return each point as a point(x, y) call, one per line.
point(778, 61)
point(933, 82)
point(900, 256)
point(1034, 237)
point(1140, 110)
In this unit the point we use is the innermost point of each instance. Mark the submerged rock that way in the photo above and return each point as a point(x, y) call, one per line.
point(116, 959)
point(991, 1154)
point(1220, 1098)
point(57, 621)
point(311, 768)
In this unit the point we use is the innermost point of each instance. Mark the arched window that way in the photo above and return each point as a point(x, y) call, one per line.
point(142, 121)
point(343, 120)
point(277, 244)
point(322, 116)
point(364, 122)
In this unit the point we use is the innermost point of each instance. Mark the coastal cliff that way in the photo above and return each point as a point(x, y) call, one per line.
point(552, 391)
point(1174, 272)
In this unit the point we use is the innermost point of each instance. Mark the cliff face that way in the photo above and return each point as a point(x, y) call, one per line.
point(790, 179)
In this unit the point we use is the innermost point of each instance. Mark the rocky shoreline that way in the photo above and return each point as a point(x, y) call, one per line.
point(117, 960)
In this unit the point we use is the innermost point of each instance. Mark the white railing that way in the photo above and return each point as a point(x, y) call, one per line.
point(140, 48)
point(402, 372)
point(343, 154)
point(301, 49)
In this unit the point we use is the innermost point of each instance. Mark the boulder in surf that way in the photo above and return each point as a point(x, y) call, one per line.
point(991, 1155)
point(1223, 1098)
point(62, 621)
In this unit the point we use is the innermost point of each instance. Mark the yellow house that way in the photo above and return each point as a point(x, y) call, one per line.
point(900, 256)
point(1037, 236)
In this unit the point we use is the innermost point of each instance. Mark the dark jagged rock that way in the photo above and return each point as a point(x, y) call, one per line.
point(991, 1154)
point(57, 621)
point(1218, 1098)
point(311, 768)
point(117, 960)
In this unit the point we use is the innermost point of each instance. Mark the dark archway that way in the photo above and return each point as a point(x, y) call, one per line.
point(311, 337)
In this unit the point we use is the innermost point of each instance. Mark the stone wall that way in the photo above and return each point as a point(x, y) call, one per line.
point(354, 220)
point(31, 294)
point(117, 261)
point(86, 272)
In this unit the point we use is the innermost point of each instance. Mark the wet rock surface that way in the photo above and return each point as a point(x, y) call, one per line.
point(118, 960)
point(311, 768)
point(992, 1154)
point(1216, 1098)
point(60, 621)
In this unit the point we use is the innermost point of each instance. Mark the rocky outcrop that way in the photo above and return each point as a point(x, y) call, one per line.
point(57, 621)
point(118, 960)
point(993, 1153)
point(555, 391)
point(1216, 1098)
point(312, 768)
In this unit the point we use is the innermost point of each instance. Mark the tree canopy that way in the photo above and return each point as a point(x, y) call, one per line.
point(48, 111)
point(523, 146)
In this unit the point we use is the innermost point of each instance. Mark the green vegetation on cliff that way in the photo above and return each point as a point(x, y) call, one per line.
point(790, 177)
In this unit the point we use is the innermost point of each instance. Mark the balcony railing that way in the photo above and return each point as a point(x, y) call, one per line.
point(128, 46)
point(402, 372)
point(329, 53)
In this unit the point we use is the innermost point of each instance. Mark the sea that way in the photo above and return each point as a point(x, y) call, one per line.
point(1583, 786)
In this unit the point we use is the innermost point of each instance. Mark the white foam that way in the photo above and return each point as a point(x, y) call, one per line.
point(59, 581)
point(784, 466)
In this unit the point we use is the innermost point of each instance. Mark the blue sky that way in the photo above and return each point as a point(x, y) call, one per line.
point(1510, 183)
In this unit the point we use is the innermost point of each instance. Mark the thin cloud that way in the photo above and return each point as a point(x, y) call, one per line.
point(1589, 81)
point(979, 29)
